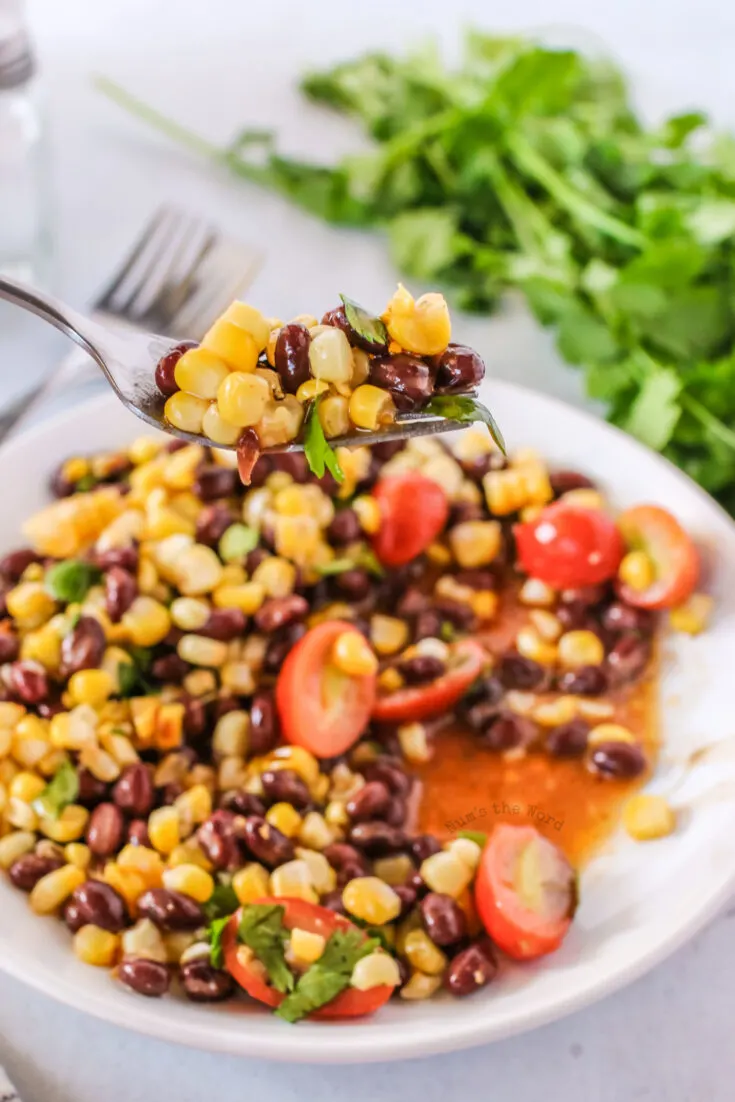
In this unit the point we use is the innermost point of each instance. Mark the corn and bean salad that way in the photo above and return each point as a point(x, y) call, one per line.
point(214, 699)
point(256, 383)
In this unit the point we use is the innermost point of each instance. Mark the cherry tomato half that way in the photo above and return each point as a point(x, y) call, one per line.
point(525, 891)
point(413, 511)
point(467, 659)
point(350, 1003)
point(568, 547)
point(674, 556)
point(321, 708)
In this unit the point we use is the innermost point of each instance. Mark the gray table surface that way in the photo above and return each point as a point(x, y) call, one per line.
point(666, 1038)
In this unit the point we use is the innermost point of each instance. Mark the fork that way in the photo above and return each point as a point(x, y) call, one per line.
point(178, 277)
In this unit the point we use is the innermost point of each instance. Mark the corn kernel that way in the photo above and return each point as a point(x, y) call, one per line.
point(420, 986)
point(191, 880)
point(250, 883)
point(580, 648)
point(200, 372)
point(78, 854)
point(596, 711)
point(242, 399)
point(505, 492)
point(54, 888)
point(438, 554)
point(371, 407)
point(296, 758)
point(276, 575)
point(20, 815)
point(468, 851)
point(238, 678)
point(475, 542)
point(323, 876)
point(646, 817)
point(395, 870)
point(610, 732)
point(177, 943)
point(30, 604)
point(188, 853)
point(314, 831)
point(445, 872)
point(375, 970)
point(531, 645)
point(423, 955)
point(584, 498)
point(305, 946)
point(552, 713)
point(388, 634)
point(15, 845)
point(96, 946)
point(414, 742)
point(163, 829)
point(247, 597)
point(230, 736)
point(285, 818)
point(144, 941)
point(198, 570)
point(538, 593)
point(371, 899)
point(233, 344)
point(390, 679)
point(293, 879)
point(143, 861)
point(26, 787)
point(447, 586)
point(185, 412)
point(368, 513)
point(92, 687)
point(68, 827)
point(352, 655)
point(693, 616)
point(484, 603)
point(99, 763)
point(199, 650)
point(195, 805)
point(637, 570)
point(147, 621)
point(330, 356)
point(251, 320)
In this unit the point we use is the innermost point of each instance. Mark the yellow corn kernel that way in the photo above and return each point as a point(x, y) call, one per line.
point(466, 850)
point(144, 448)
point(596, 711)
point(233, 573)
point(230, 738)
point(200, 372)
point(90, 687)
point(54, 888)
point(537, 593)
point(180, 472)
point(248, 597)
point(475, 542)
point(305, 946)
point(96, 946)
point(285, 818)
point(353, 656)
point(75, 468)
point(296, 758)
point(448, 586)
point(646, 817)
point(418, 325)
point(233, 773)
point(330, 356)
point(250, 883)
point(293, 879)
point(395, 870)
point(242, 399)
point(100, 763)
point(144, 940)
point(314, 831)
point(270, 348)
point(546, 623)
point(584, 498)
point(297, 538)
point(15, 845)
point(188, 853)
point(238, 677)
point(185, 412)
point(189, 613)
point(334, 415)
point(371, 899)
point(445, 872)
point(177, 943)
point(163, 829)
point(484, 603)
point(693, 616)
point(414, 742)
point(233, 345)
point(505, 492)
point(375, 970)
point(200, 683)
point(580, 648)
point(30, 604)
point(388, 634)
point(311, 389)
point(147, 621)
point(44, 646)
point(423, 955)
point(195, 804)
point(323, 876)
point(68, 827)
point(191, 880)
point(438, 554)
point(637, 570)
point(531, 645)
point(78, 854)
point(198, 570)
point(144, 861)
point(552, 713)
point(251, 320)
point(20, 815)
point(26, 787)
point(276, 575)
point(610, 732)
point(371, 407)
point(420, 986)
point(199, 650)
point(216, 429)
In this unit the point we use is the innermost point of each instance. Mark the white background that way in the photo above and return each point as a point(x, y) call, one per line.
point(224, 64)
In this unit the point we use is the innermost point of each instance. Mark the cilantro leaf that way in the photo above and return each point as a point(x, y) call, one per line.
point(71, 580)
point(655, 412)
point(132, 675)
point(214, 934)
point(222, 902)
point(319, 454)
point(261, 929)
point(328, 976)
point(461, 407)
point(366, 325)
point(62, 790)
point(365, 559)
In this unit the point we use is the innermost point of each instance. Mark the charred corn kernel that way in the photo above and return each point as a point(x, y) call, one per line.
point(199, 650)
point(538, 593)
point(100, 763)
point(610, 732)
point(68, 827)
point(26, 787)
point(163, 829)
point(423, 955)
point(293, 879)
point(580, 648)
point(505, 492)
point(418, 325)
point(553, 713)
point(546, 623)
point(195, 804)
point(96, 946)
point(191, 880)
point(54, 888)
point(371, 407)
point(330, 356)
point(20, 815)
point(311, 389)
point(78, 854)
point(247, 597)
point(238, 677)
point(230, 736)
point(693, 616)
point(30, 604)
point(276, 575)
point(371, 899)
point(15, 845)
point(185, 411)
point(375, 970)
point(637, 570)
point(646, 817)
point(531, 645)
point(44, 646)
point(285, 818)
point(323, 876)
point(233, 345)
point(144, 940)
point(189, 613)
point(200, 372)
point(314, 831)
point(250, 883)
point(420, 986)
point(147, 621)
point(353, 656)
point(389, 680)
point(188, 853)
point(177, 942)
point(305, 946)
point(414, 742)
point(394, 870)
point(475, 542)
point(484, 603)
point(90, 687)
point(242, 399)
point(446, 872)
point(466, 850)
point(198, 570)
point(251, 320)
point(388, 634)
point(584, 498)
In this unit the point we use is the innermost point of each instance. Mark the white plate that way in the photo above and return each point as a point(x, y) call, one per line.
point(638, 902)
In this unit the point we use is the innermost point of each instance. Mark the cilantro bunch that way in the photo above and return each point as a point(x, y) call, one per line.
point(528, 168)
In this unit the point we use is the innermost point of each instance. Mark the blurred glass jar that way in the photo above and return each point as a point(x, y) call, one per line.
point(25, 239)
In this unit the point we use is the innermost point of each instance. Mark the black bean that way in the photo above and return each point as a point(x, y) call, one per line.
point(564, 481)
point(576, 616)
point(204, 984)
point(125, 557)
point(293, 463)
point(396, 812)
point(28, 682)
point(443, 918)
point(146, 977)
point(477, 579)
point(345, 528)
point(99, 904)
point(619, 617)
point(134, 792)
point(285, 786)
point(471, 969)
point(219, 838)
point(509, 732)
point(243, 803)
point(457, 613)
point(170, 910)
point(213, 482)
point(91, 790)
point(459, 369)
point(266, 842)
point(584, 681)
point(166, 367)
point(617, 760)
point(377, 839)
point(121, 589)
point(412, 603)
point(407, 895)
point(30, 868)
point(408, 378)
point(348, 872)
point(73, 917)
point(224, 624)
point(9, 646)
point(83, 647)
point(333, 901)
point(370, 802)
point(355, 584)
point(424, 667)
point(195, 716)
point(264, 732)
point(213, 522)
point(105, 830)
point(628, 659)
point(429, 624)
point(517, 672)
point(280, 645)
point(392, 773)
point(280, 612)
point(14, 563)
point(170, 669)
point(138, 833)
point(568, 740)
point(423, 846)
point(292, 356)
point(340, 854)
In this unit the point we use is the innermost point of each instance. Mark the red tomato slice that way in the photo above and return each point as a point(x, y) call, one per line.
point(413, 511)
point(568, 547)
point(525, 891)
point(675, 558)
point(467, 660)
point(320, 708)
point(350, 1003)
